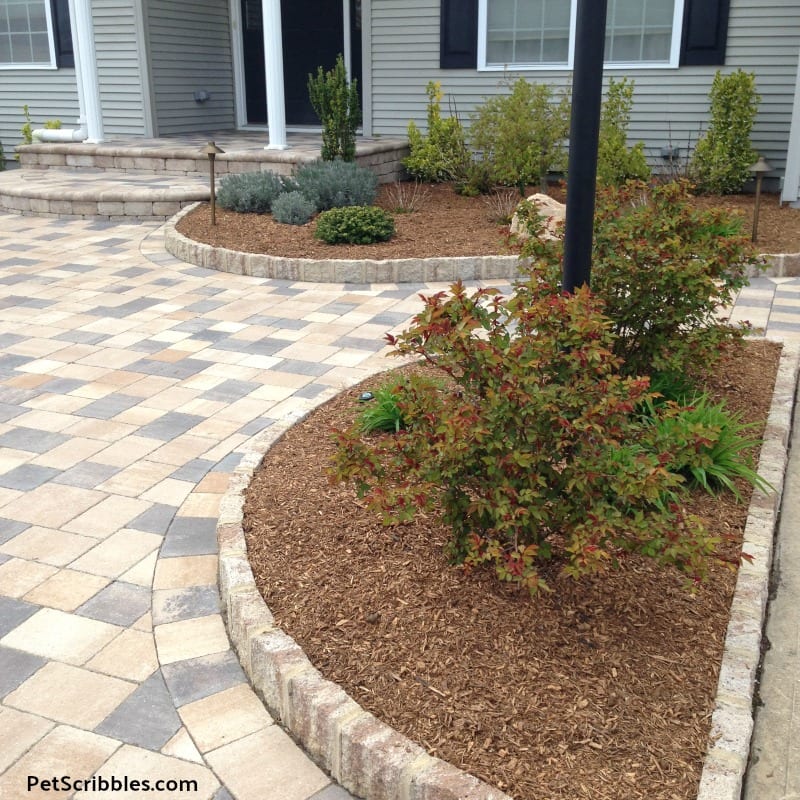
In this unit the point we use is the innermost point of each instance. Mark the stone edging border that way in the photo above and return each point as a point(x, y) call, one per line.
point(782, 265)
point(397, 270)
point(374, 761)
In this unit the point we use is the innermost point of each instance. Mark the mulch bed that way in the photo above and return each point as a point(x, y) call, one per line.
point(602, 689)
point(446, 225)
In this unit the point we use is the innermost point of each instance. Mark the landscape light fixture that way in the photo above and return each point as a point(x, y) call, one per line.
point(758, 169)
point(211, 150)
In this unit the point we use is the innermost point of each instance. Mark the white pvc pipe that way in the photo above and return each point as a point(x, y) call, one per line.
point(273, 65)
point(60, 134)
point(86, 68)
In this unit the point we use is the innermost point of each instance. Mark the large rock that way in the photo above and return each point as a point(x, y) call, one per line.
point(552, 212)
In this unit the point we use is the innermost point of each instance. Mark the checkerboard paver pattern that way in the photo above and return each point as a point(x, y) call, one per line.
point(129, 385)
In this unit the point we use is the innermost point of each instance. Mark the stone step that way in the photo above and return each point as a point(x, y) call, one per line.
point(99, 194)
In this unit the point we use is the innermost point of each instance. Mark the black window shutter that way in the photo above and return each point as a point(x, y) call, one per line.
point(458, 34)
point(705, 32)
point(62, 33)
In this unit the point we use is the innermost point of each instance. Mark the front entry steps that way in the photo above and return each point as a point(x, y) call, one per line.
point(155, 178)
point(99, 194)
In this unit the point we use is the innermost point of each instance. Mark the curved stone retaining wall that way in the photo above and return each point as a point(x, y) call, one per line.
point(374, 761)
point(398, 270)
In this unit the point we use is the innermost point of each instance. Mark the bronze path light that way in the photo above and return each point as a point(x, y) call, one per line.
point(758, 169)
point(211, 150)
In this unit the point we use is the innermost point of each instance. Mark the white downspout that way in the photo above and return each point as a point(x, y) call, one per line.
point(91, 120)
point(273, 65)
point(791, 179)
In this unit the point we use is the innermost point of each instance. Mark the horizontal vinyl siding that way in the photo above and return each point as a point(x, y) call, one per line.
point(190, 49)
point(50, 94)
point(669, 104)
point(117, 45)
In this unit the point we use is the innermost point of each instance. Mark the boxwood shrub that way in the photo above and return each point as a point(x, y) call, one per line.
point(354, 225)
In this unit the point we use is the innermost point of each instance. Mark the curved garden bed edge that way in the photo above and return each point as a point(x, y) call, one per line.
point(371, 759)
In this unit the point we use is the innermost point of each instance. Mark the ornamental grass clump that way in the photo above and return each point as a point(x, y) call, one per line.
point(532, 450)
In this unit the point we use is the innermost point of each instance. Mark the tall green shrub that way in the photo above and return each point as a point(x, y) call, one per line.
point(522, 134)
point(722, 157)
point(616, 162)
point(441, 154)
point(335, 101)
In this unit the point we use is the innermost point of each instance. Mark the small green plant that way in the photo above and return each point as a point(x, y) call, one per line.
point(476, 178)
point(616, 162)
point(532, 450)
point(354, 225)
point(250, 192)
point(722, 157)
point(292, 208)
point(27, 127)
point(442, 154)
point(335, 101)
point(332, 184)
point(710, 446)
point(382, 413)
point(2, 158)
point(522, 134)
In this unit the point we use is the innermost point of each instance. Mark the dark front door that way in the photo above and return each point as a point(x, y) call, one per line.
point(313, 35)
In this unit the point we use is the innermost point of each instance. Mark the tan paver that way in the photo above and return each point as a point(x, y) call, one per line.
point(57, 548)
point(118, 553)
point(107, 516)
point(61, 636)
point(52, 504)
point(144, 764)
point(130, 656)
point(18, 731)
point(284, 771)
point(182, 746)
point(177, 641)
point(17, 576)
point(70, 695)
point(65, 751)
point(66, 589)
point(178, 573)
point(224, 717)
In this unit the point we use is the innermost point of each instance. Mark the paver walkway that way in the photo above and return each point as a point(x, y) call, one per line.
point(129, 382)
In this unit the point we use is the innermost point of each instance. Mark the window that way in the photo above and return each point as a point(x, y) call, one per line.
point(27, 35)
point(539, 34)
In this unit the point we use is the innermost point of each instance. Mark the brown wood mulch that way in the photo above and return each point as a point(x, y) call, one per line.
point(602, 689)
point(446, 225)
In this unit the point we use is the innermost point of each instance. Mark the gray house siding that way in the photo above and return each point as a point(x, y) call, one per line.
point(670, 104)
point(190, 50)
point(50, 94)
point(120, 75)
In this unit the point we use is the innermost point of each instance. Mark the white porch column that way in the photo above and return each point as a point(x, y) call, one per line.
point(273, 64)
point(80, 12)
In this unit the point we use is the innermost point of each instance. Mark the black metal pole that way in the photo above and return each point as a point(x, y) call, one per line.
point(587, 95)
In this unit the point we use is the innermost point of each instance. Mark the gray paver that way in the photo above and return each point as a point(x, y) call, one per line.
point(86, 475)
point(156, 519)
point(190, 536)
point(197, 678)
point(33, 440)
point(178, 604)
point(108, 407)
point(27, 476)
point(146, 719)
point(170, 426)
point(16, 667)
point(14, 612)
point(9, 528)
point(194, 471)
point(333, 792)
point(119, 604)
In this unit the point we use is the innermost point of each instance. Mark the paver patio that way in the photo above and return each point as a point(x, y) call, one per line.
point(129, 384)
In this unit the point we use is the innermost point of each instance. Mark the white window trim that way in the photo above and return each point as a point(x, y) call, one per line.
point(673, 63)
point(50, 41)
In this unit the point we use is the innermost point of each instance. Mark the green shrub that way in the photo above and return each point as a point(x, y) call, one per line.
point(442, 154)
point(535, 452)
point(335, 101)
point(616, 163)
point(710, 446)
point(332, 184)
point(663, 271)
point(292, 208)
point(354, 225)
point(722, 157)
point(252, 192)
point(476, 178)
point(522, 134)
point(382, 412)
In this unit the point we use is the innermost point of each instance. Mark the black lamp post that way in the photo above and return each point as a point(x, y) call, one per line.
point(211, 150)
point(584, 135)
